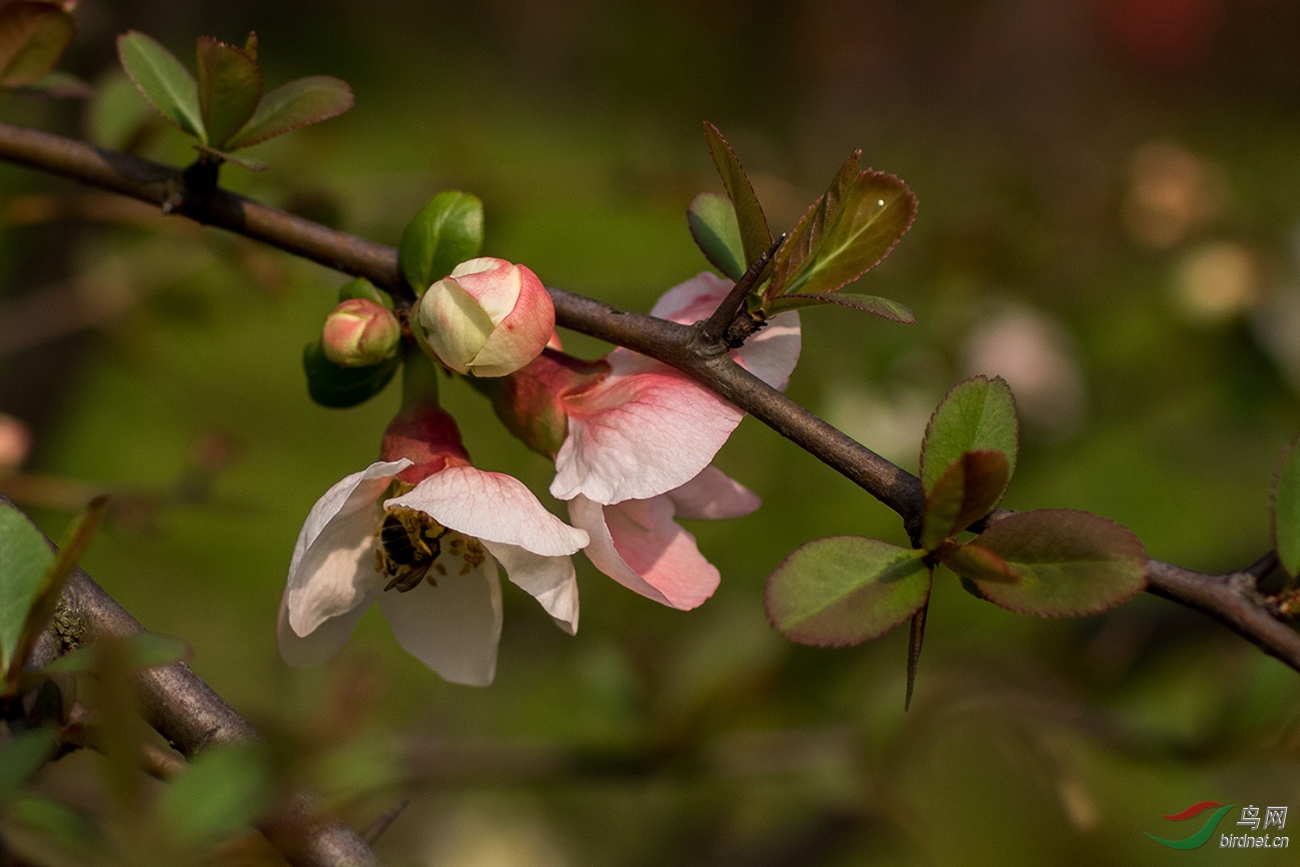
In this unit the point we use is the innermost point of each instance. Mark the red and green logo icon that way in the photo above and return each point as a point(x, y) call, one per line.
point(1206, 831)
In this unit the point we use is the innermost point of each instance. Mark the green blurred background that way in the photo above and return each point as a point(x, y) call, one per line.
point(1109, 217)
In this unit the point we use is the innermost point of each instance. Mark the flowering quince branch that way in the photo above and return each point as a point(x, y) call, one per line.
point(1232, 599)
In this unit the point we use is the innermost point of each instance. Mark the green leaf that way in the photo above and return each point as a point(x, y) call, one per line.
point(1062, 562)
point(46, 598)
point(62, 85)
point(242, 162)
point(977, 414)
point(968, 490)
point(874, 212)
point(25, 558)
point(22, 757)
point(296, 104)
point(712, 220)
point(363, 288)
point(341, 387)
point(43, 831)
point(230, 87)
point(755, 236)
point(1286, 511)
point(32, 39)
point(139, 651)
point(163, 80)
point(883, 307)
point(845, 590)
point(217, 796)
point(446, 231)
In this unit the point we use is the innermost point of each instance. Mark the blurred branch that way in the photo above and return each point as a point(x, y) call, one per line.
point(1232, 600)
point(192, 717)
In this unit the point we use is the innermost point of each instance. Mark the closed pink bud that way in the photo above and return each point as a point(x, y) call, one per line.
point(359, 333)
point(488, 318)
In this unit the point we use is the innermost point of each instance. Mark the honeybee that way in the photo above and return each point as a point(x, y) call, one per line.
point(409, 543)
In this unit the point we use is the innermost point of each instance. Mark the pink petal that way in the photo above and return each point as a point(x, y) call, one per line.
point(492, 507)
point(696, 299)
point(638, 544)
point(332, 570)
point(635, 437)
point(714, 496)
point(317, 646)
point(550, 580)
point(454, 627)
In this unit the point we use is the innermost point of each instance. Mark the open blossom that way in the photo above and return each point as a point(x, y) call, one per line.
point(488, 317)
point(423, 534)
point(633, 440)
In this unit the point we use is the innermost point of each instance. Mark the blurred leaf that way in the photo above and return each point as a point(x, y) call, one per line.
point(359, 767)
point(230, 87)
point(445, 232)
point(293, 105)
point(341, 387)
point(1286, 511)
point(218, 795)
point(61, 85)
point(163, 80)
point(755, 236)
point(883, 307)
point(141, 650)
point(25, 560)
point(45, 832)
point(22, 757)
point(872, 215)
point(47, 595)
point(845, 590)
point(977, 414)
point(32, 39)
point(250, 44)
point(712, 221)
point(363, 288)
point(968, 490)
point(1065, 563)
point(116, 116)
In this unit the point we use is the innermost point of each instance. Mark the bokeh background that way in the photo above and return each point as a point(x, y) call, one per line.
point(1109, 217)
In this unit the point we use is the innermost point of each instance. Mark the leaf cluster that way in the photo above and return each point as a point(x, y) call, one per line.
point(846, 232)
point(225, 107)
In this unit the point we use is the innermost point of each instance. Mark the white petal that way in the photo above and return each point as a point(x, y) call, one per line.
point(332, 570)
point(713, 496)
point(772, 353)
point(318, 645)
point(552, 581)
point(492, 507)
point(452, 628)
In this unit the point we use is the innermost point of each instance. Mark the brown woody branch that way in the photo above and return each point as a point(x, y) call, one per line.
point(1232, 599)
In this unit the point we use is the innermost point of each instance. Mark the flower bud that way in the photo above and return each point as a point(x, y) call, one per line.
point(488, 318)
point(360, 333)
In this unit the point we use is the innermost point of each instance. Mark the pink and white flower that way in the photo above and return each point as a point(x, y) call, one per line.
point(633, 440)
point(472, 520)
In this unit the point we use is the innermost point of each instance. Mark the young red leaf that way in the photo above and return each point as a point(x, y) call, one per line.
point(977, 414)
point(33, 36)
point(296, 104)
point(807, 232)
point(968, 490)
point(164, 81)
point(712, 221)
point(755, 236)
point(230, 87)
point(1066, 563)
point(845, 590)
point(875, 211)
point(1286, 511)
